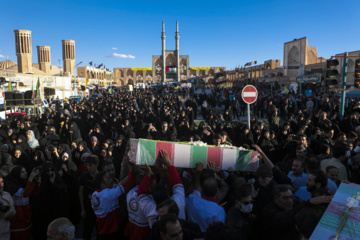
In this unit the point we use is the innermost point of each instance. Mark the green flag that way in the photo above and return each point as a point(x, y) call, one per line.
point(32, 89)
point(38, 88)
point(10, 88)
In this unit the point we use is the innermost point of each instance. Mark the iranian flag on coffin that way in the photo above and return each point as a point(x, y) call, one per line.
point(186, 155)
point(170, 69)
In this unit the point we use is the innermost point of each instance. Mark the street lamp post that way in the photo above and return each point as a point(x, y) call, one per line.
point(75, 92)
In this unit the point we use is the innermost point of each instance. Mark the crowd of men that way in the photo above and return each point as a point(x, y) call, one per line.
point(67, 170)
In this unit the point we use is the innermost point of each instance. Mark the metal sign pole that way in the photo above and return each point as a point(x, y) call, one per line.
point(248, 110)
point(249, 95)
point(343, 85)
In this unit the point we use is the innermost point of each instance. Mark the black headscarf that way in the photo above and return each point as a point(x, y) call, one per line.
point(13, 182)
point(40, 159)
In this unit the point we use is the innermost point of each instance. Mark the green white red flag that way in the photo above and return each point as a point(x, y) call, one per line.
point(187, 155)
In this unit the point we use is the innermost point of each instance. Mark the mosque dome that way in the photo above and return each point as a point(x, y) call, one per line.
point(7, 64)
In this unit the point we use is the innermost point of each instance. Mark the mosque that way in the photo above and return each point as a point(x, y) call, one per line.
point(170, 66)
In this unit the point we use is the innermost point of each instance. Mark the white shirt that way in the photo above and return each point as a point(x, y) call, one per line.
point(203, 212)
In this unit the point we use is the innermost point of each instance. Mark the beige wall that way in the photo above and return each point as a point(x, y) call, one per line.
point(294, 55)
point(298, 52)
point(55, 70)
point(94, 73)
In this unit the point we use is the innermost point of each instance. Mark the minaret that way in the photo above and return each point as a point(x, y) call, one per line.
point(68, 52)
point(163, 37)
point(23, 50)
point(177, 37)
point(44, 58)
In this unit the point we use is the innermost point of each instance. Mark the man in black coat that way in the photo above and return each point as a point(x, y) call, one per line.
point(278, 217)
point(264, 176)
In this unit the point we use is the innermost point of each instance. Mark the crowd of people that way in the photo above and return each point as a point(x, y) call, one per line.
point(67, 171)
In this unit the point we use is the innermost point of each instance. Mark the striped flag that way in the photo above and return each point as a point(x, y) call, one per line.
point(186, 155)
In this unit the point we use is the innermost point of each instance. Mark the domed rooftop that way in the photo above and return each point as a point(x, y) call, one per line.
point(7, 64)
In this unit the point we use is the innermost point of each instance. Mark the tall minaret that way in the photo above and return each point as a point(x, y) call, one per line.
point(177, 37)
point(163, 52)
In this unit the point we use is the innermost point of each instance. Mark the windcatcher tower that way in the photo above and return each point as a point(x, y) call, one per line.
point(68, 52)
point(44, 58)
point(23, 50)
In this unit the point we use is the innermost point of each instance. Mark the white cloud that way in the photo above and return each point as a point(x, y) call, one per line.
point(119, 55)
point(2, 56)
point(114, 48)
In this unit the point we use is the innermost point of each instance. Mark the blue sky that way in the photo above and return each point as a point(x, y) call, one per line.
point(213, 33)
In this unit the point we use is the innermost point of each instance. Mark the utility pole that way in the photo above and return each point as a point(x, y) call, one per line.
point(343, 84)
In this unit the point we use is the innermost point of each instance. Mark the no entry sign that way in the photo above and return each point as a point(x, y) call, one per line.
point(249, 94)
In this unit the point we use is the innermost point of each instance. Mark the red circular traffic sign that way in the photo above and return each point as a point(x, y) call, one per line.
point(249, 94)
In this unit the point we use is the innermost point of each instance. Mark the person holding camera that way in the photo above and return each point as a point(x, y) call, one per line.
point(7, 211)
point(51, 153)
point(151, 132)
